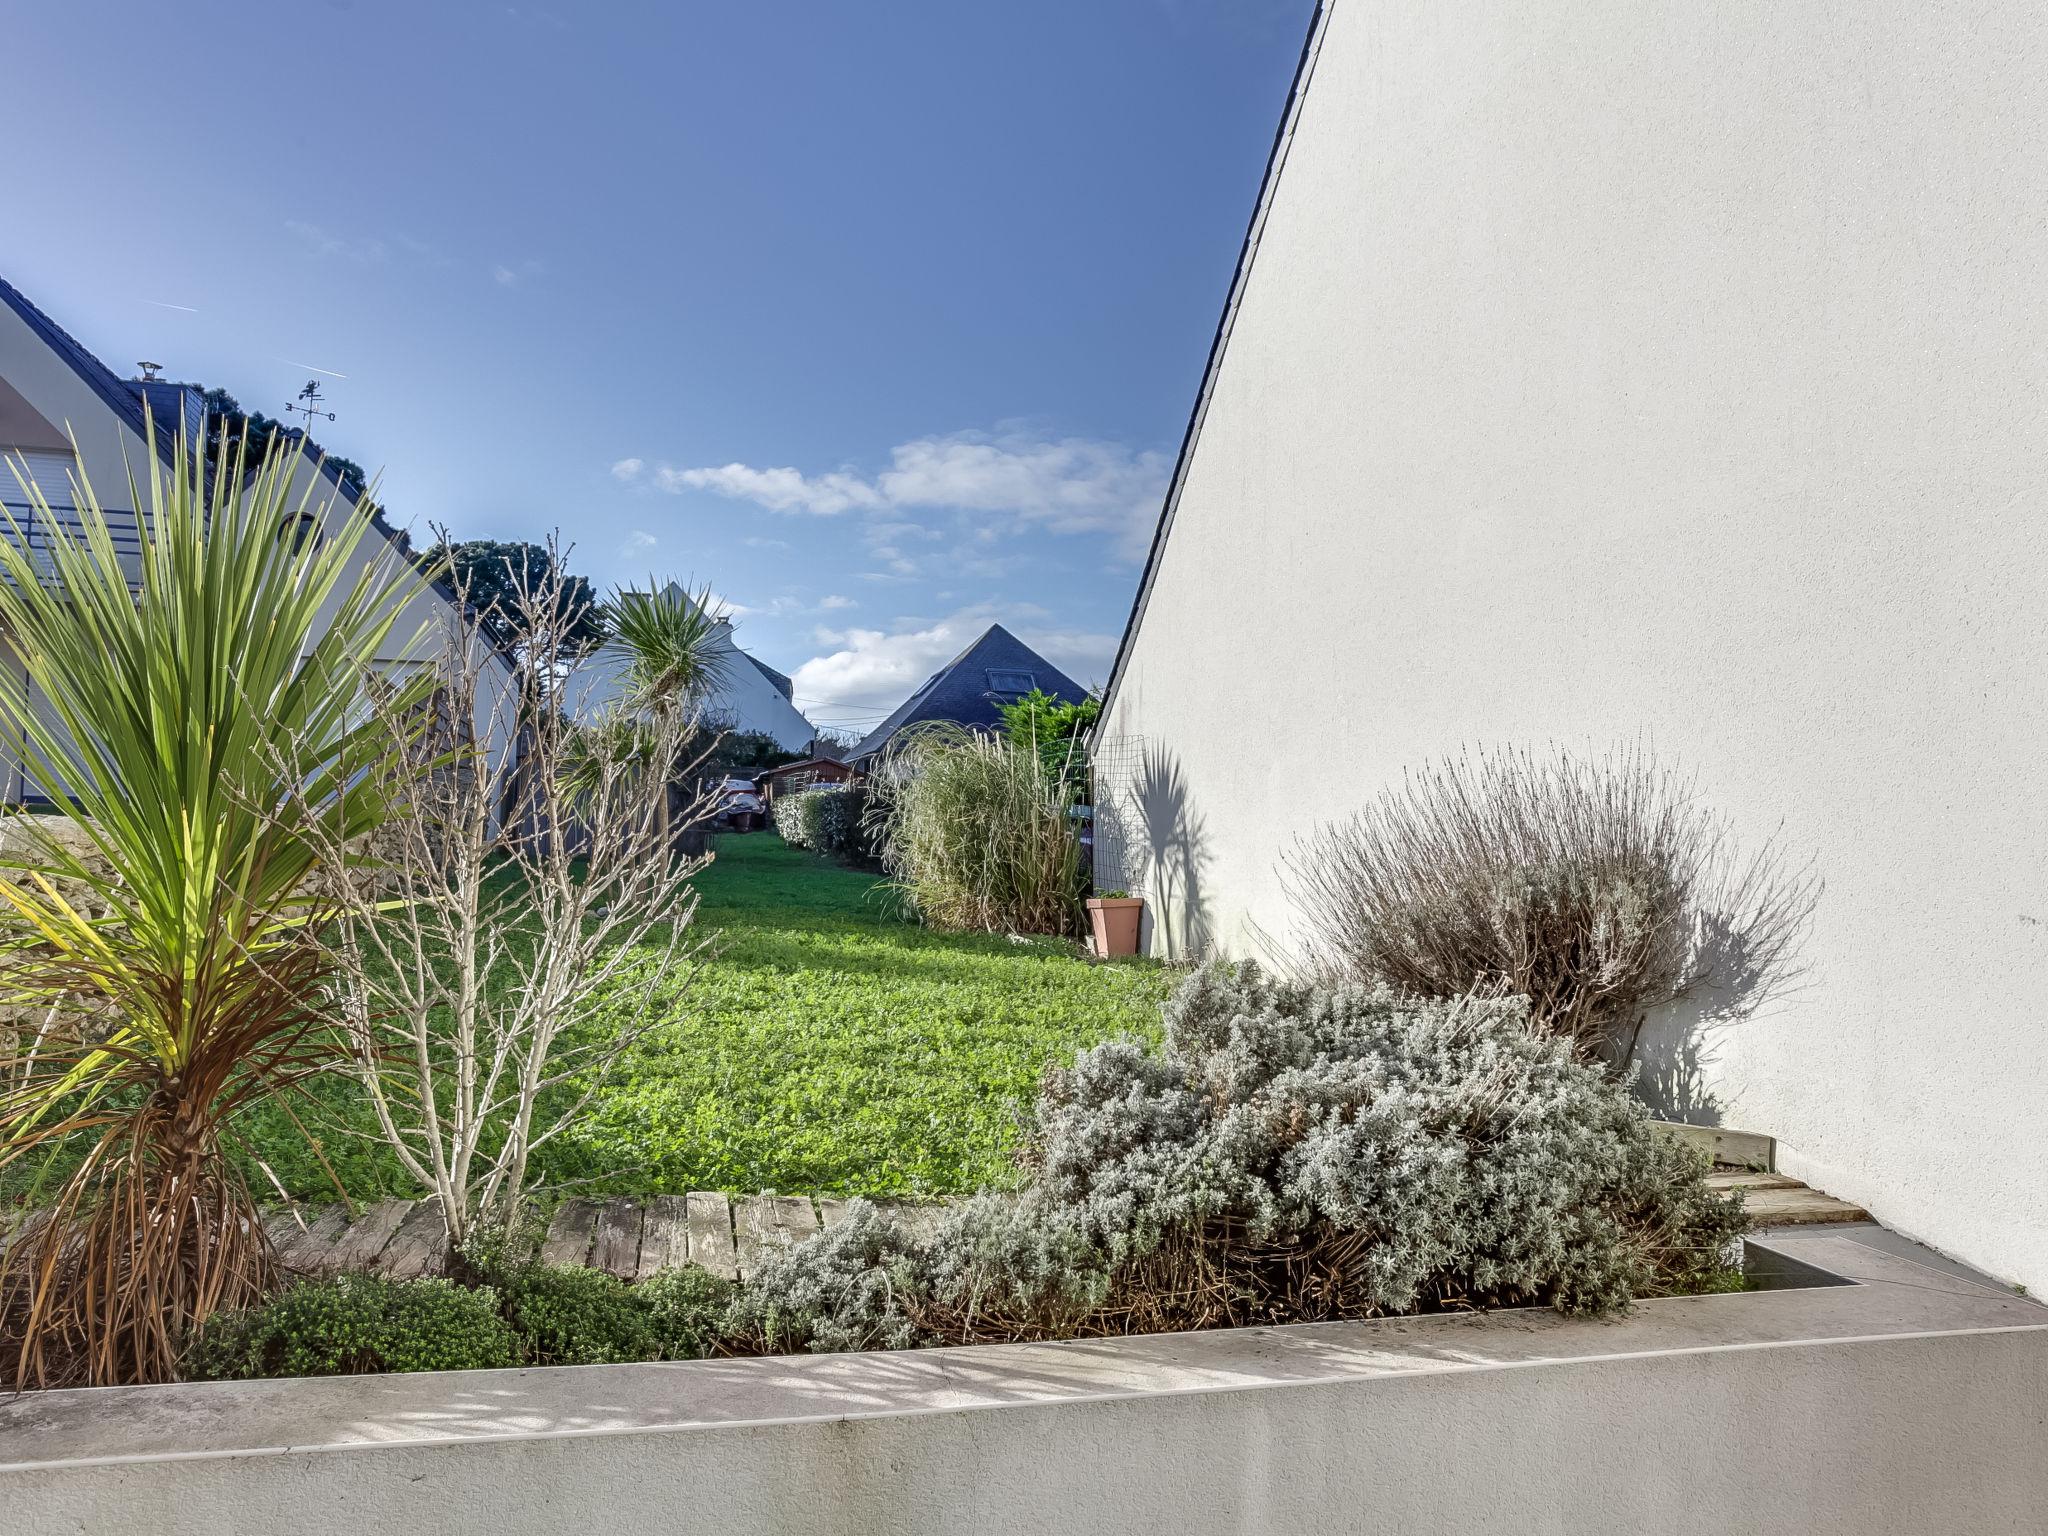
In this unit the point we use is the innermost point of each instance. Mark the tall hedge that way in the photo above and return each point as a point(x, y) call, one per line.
point(830, 819)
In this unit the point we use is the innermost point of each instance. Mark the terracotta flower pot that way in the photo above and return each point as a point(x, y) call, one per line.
point(1114, 920)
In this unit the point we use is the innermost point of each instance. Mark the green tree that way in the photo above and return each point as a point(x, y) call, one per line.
point(498, 578)
point(1054, 729)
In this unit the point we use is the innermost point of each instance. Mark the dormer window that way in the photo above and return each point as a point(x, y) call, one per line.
point(299, 531)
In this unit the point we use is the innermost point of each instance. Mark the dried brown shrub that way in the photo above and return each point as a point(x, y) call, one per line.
point(1597, 887)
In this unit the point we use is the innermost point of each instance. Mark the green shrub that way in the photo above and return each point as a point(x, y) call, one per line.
point(789, 818)
point(825, 813)
point(1293, 1154)
point(978, 833)
point(355, 1325)
point(1056, 731)
point(568, 1315)
point(533, 1314)
point(688, 1307)
point(830, 819)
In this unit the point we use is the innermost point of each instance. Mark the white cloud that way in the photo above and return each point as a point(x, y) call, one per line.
point(512, 274)
point(779, 490)
point(322, 243)
point(834, 601)
point(774, 608)
point(865, 673)
point(627, 469)
point(638, 542)
point(1068, 485)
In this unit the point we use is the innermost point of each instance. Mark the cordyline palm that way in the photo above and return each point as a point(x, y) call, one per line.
point(676, 661)
point(672, 645)
point(187, 725)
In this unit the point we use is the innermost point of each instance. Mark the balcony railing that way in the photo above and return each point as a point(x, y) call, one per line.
point(38, 532)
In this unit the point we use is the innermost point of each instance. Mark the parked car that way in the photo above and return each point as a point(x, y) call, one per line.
point(739, 806)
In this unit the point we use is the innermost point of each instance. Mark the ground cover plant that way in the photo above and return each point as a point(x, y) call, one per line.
point(520, 1312)
point(823, 1044)
point(1290, 1153)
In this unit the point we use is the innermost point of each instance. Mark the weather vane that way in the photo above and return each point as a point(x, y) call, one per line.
point(308, 404)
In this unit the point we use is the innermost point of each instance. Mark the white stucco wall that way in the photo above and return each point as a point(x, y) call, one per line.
point(1664, 371)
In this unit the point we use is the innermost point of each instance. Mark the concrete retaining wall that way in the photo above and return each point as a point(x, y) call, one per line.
point(1910, 1401)
point(1899, 1435)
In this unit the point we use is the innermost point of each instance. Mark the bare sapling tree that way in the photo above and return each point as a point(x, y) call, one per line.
point(524, 882)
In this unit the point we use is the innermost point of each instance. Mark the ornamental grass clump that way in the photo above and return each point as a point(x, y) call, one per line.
point(978, 832)
point(1293, 1153)
point(1597, 888)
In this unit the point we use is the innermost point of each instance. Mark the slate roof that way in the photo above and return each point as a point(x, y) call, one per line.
point(962, 691)
point(783, 684)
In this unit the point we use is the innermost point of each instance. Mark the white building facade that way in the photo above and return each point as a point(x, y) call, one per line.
point(1668, 373)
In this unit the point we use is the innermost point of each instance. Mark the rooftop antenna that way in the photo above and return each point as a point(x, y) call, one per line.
point(150, 371)
point(308, 405)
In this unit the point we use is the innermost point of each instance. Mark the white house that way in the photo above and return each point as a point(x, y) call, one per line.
point(52, 391)
point(753, 696)
point(1662, 372)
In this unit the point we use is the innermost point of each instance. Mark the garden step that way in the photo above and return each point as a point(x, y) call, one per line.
point(1799, 1207)
point(708, 1219)
point(616, 1248)
point(623, 1236)
point(1735, 1149)
point(664, 1236)
point(306, 1249)
point(419, 1245)
point(1746, 1178)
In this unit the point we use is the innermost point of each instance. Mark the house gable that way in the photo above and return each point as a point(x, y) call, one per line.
point(971, 689)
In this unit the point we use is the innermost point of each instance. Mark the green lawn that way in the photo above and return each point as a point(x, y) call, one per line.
point(825, 1046)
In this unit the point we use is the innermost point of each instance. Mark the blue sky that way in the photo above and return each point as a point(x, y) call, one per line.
point(883, 318)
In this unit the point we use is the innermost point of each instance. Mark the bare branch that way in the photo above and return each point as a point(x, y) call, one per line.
point(524, 871)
